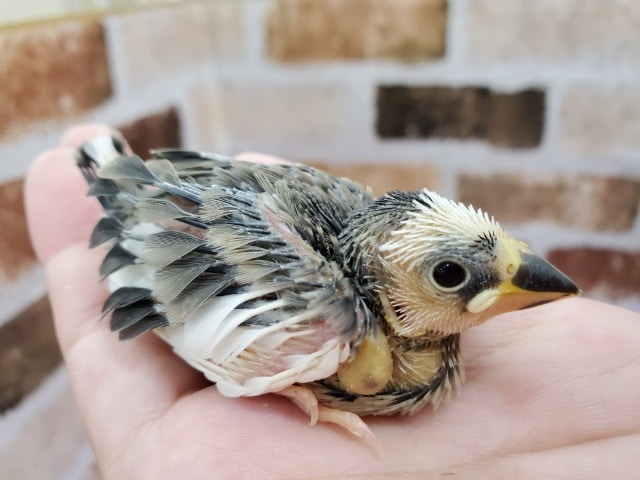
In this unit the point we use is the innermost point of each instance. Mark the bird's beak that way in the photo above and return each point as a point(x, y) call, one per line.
point(534, 282)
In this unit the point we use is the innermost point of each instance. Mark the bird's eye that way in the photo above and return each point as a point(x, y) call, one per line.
point(449, 275)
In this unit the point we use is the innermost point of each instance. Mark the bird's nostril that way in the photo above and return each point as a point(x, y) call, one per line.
point(511, 269)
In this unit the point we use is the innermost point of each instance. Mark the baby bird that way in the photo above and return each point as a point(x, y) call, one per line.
point(285, 279)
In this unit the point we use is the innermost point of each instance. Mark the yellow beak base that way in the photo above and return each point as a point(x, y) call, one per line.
point(535, 282)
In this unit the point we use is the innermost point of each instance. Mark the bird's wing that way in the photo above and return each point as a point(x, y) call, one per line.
point(234, 264)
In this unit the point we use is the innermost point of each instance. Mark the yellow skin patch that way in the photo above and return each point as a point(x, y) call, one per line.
point(370, 369)
point(381, 361)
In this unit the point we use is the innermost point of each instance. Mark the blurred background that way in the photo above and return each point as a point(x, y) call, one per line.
point(530, 110)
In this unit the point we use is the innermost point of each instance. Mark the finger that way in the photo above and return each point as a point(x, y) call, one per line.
point(118, 385)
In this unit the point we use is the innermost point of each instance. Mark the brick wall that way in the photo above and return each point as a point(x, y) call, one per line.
point(528, 109)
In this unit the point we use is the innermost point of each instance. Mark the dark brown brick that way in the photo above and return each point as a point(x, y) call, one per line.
point(589, 203)
point(311, 30)
point(28, 353)
point(160, 130)
point(513, 120)
point(385, 177)
point(613, 273)
point(51, 71)
point(16, 254)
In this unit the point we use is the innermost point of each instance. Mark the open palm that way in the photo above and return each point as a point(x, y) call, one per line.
point(551, 392)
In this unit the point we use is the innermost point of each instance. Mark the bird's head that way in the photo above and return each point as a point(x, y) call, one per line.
point(448, 267)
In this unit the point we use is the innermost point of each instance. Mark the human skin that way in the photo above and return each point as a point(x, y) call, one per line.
point(551, 392)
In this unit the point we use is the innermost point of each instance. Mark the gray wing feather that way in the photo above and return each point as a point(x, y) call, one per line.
point(226, 227)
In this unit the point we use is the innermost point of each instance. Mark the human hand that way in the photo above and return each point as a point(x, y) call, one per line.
point(550, 391)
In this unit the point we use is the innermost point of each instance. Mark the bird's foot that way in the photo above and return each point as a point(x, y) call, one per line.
point(306, 401)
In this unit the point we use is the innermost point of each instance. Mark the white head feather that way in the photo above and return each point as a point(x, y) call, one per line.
point(434, 221)
point(437, 228)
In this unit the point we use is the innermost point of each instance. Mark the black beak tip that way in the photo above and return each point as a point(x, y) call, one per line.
point(537, 275)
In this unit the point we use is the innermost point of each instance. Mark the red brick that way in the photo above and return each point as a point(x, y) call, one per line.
point(585, 202)
point(513, 120)
point(50, 72)
point(28, 353)
point(311, 30)
point(615, 274)
point(16, 254)
point(160, 130)
point(385, 177)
